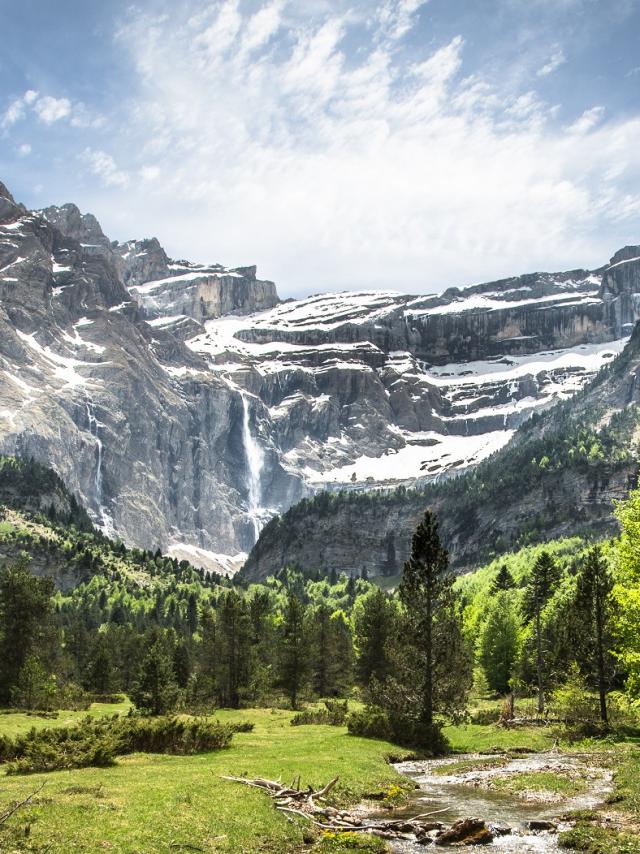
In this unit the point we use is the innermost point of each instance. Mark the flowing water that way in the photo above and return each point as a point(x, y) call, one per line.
point(254, 456)
point(471, 793)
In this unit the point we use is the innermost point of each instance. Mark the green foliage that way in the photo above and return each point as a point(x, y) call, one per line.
point(156, 691)
point(626, 592)
point(434, 627)
point(499, 641)
point(294, 648)
point(97, 742)
point(334, 713)
point(26, 629)
point(375, 617)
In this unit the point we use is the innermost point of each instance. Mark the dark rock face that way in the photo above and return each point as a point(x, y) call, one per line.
point(184, 403)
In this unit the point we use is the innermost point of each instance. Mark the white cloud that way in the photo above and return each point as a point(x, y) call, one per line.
point(50, 110)
point(277, 140)
point(556, 59)
point(17, 109)
point(396, 17)
point(104, 166)
point(587, 121)
point(24, 150)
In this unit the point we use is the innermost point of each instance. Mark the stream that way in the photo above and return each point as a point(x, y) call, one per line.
point(475, 791)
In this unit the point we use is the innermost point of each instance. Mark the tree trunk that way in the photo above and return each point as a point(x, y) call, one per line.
point(539, 663)
point(602, 687)
point(427, 706)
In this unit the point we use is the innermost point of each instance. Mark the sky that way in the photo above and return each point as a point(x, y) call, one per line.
point(407, 145)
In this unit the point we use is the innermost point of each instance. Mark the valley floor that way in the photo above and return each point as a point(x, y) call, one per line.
point(149, 804)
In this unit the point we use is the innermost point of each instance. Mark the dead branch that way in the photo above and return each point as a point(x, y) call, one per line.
point(292, 801)
point(6, 815)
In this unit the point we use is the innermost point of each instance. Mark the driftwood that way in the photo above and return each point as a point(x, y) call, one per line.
point(6, 815)
point(310, 805)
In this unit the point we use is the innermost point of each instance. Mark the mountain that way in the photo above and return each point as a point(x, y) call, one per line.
point(559, 477)
point(186, 405)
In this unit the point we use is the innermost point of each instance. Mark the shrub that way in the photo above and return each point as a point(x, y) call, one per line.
point(333, 714)
point(374, 722)
point(370, 722)
point(98, 742)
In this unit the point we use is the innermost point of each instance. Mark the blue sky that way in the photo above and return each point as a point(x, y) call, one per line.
point(398, 144)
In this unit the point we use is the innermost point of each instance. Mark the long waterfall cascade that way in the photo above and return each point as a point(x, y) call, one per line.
point(254, 456)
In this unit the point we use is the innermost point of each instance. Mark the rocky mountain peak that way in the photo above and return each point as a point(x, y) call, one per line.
point(9, 209)
point(84, 228)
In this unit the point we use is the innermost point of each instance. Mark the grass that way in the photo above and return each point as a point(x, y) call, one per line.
point(463, 766)
point(540, 781)
point(148, 804)
point(151, 803)
point(13, 723)
point(480, 738)
point(621, 835)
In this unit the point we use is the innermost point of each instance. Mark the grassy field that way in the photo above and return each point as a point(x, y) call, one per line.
point(151, 804)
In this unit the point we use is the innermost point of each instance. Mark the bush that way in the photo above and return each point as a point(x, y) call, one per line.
point(333, 714)
point(370, 722)
point(374, 722)
point(97, 742)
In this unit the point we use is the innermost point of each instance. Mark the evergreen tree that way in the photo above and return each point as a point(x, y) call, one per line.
point(233, 636)
point(26, 611)
point(594, 585)
point(294, 649)
point(100, 675)
point(374, 621)
point(341, 655)
point(320, 631)
point(331, 651)
point(503, 580)
point(426, 591)
point(156, 691)
point(35, 687)
point(182, 663)
point(540, 587)
point(192, 613)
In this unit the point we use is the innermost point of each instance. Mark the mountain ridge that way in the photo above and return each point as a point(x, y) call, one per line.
point(186, 404)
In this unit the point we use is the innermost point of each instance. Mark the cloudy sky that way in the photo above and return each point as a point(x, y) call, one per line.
point(399, 144)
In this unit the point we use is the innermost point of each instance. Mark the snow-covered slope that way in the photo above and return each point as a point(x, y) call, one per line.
point(186, 405)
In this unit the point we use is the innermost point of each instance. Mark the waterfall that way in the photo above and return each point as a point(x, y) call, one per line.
point(104, 519)
point(254, 456)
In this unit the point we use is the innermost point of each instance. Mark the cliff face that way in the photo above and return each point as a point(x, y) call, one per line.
point(134, 422)
point(185, 405)
point(505, 504)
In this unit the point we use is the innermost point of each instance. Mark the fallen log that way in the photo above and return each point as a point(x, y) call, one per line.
point(293, 801)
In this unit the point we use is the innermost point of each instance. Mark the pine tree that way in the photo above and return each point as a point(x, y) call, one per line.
point(294, 649)
point(26, 612)
point(192, 613)
point(594, 585)
point(374, 620)
point(540, 587)
point(320, 631)
point(156, 691)
point(100, 675)
point(503, 580)
point(426, 591)
point(233, 638)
